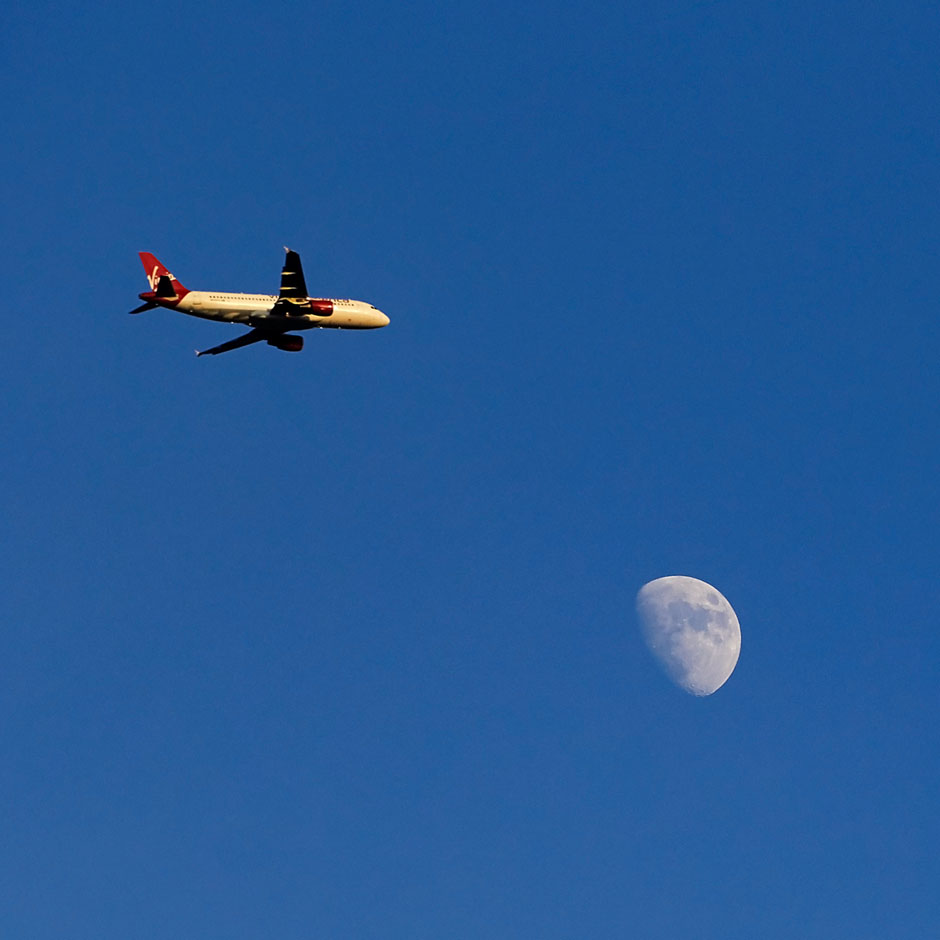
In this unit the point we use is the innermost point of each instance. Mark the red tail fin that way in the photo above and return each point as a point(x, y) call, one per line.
point(155, 270)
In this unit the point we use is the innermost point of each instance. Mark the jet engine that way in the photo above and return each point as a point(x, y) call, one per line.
point(287, 343)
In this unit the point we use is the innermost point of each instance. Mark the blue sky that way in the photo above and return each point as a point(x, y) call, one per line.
point(342, 644)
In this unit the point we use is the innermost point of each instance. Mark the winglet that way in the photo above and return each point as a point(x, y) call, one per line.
point(293, 285)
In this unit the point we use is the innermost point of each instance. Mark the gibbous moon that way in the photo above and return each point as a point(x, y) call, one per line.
point(692, 630)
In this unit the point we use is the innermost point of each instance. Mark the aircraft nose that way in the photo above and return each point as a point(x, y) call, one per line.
point(382, 318)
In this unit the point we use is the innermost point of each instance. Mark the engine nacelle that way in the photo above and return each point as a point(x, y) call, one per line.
point(287, 343)
point(321, 308)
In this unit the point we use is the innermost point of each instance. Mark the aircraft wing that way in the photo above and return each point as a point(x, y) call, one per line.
point(293, 287)
point(246, 339)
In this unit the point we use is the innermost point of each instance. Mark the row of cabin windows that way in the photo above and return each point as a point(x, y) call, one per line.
point(261, 296)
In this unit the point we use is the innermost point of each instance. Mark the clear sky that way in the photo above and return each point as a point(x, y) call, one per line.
point(342, 644)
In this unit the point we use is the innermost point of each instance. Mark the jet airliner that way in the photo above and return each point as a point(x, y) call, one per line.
point(270, 316)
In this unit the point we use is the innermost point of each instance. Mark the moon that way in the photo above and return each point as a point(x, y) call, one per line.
point(692, 630)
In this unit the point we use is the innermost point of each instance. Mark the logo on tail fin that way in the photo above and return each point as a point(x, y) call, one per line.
point(154, 269)
point(154, 276)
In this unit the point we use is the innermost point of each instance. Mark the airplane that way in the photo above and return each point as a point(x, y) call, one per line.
point(269, 316)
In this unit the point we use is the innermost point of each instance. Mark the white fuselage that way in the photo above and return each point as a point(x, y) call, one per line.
point(255, 309)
